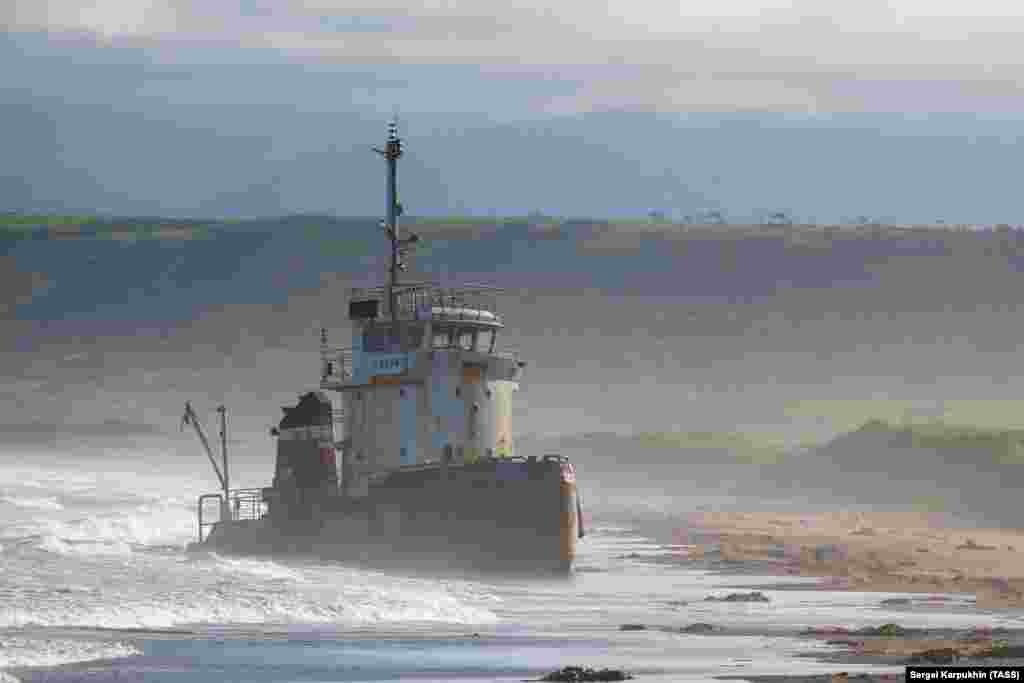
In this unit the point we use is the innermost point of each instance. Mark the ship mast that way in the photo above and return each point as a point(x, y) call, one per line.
point(391, 152)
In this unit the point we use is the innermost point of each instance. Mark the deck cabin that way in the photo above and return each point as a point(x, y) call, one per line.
point(421, 384)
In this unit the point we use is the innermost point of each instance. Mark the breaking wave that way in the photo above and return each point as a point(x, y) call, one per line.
point(32, 503)
point(216, 597)
point(262, 568)
point(18, 652)
point(110, 554)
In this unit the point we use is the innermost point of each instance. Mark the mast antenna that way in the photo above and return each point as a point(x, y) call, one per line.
point(399, 246)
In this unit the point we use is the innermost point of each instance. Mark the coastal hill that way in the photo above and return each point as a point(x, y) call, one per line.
point(973, 474)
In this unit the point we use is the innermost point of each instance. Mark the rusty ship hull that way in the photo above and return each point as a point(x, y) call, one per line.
point(493, 516)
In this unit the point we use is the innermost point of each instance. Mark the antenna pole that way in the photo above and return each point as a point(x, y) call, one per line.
point(224, 458)
point(391, 152)
point(190, 418)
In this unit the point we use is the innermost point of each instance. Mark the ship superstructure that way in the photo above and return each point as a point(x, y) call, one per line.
point(415, 458)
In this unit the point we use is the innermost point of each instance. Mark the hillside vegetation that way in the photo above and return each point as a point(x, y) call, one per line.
point(1006, 446)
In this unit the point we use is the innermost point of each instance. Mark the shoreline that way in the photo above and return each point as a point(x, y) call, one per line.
point(872, 552)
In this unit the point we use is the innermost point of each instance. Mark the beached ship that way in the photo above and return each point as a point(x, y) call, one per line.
point(405, 455)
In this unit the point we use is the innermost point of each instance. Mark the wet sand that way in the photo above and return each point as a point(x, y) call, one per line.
point(885, 552)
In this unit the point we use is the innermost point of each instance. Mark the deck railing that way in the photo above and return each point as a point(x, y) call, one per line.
point(243, 505)
point(412, 299)
point(484, 459)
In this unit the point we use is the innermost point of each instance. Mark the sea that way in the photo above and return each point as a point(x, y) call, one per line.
point(96, 585)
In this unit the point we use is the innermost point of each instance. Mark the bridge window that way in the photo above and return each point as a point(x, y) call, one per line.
point(389, 339)
point(442, 337)
point(484, 341)
point(466, 338)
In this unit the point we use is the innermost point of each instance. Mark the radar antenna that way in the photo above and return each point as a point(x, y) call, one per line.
point(399, 246)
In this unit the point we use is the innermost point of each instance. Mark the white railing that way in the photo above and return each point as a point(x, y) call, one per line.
point(243, 505)
point(412, 299)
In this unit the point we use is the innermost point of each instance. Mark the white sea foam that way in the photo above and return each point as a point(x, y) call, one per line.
point(147, 524)
point(232, 604)
point(32, 503)
point(112, 536)
point(18, 651)
point(59, 546)
point(262, 568)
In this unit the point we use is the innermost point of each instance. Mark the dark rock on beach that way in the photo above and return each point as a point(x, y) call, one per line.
point(701, 627)
point(883, 630)
point(944, 655)
point(579, 674)
point(756, 596)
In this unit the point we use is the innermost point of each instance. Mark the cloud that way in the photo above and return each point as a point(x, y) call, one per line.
point(105, 18)
point(643, 54)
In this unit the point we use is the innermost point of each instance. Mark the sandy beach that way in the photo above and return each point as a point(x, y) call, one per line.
point(883, 551)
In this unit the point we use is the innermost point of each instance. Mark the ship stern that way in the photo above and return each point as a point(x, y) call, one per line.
point(569, 522)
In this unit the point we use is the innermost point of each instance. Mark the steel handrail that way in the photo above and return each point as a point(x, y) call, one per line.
point(243, 504)
point(202, 524)
point(410, 298)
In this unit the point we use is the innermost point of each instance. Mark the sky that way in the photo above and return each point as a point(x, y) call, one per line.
point(903, 111)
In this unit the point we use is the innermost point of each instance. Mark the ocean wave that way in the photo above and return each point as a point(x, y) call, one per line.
point(262, 568)
point(225, 606)
point(60, 546)
point(51, 481)
point(18, 651)
point(158, 590)
point(144, 525)
point(32, 503)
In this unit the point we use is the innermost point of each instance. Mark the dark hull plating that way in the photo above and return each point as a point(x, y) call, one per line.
point(493, 516)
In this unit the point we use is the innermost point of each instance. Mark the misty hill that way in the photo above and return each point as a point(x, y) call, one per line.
point(973, 474)
point(107, 267)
